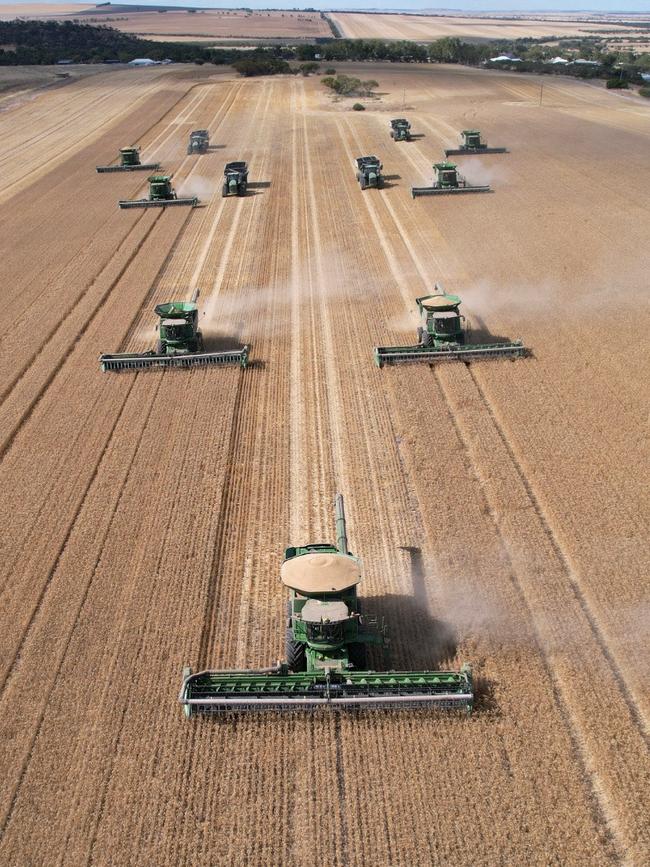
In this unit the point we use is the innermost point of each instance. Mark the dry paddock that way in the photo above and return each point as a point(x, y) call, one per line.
point(144, 515)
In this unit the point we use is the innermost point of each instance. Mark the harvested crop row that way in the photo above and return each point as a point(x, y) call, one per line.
point(381, 572)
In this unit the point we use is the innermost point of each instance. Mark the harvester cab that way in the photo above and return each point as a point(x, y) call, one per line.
point(161, 195)
point(369, 172)
point(179, 344)
point(442, 336)
point(235, 179)
point(448, 180)
point(179, 328)
point(400, 129)
point(326, 641)
point(199, 142)
point(471, 143)
point(129, 162)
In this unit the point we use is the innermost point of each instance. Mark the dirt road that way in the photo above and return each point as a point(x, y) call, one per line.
point(501, 509)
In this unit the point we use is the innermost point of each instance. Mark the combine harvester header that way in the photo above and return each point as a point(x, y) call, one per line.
point(326, 645)
point(441, 337)
point(471, 144)
point(129, 162)
point(448, 181)
point(180, 343)
point(161, 195)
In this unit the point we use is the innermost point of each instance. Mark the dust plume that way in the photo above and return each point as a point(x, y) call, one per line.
point(198, 185)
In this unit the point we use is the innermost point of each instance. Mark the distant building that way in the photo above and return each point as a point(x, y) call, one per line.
point(586, 62)
point(505, 58)
point(143, 61)
point(557, 60)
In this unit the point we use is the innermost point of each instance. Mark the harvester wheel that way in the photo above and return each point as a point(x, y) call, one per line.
point(357, 655)
point(160, 347)
point(199, 342)
point(380, 183)
point(296, 653)
point(363, 183)
point(224, 190)
point(187, 708)
point(242, 189)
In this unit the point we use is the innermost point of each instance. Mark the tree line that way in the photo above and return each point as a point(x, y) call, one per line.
point(46, 42)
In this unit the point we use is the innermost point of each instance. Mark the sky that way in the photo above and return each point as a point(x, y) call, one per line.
point(419, 5)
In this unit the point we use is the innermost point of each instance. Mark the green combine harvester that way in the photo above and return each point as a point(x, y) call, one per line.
point(441, 337)
point(180, 343)
point(161, 195)
point(471, 144)
point(199, 142)
point(400, 129)
point(369, 172)
point(326, 640)
point(448, 181)
point(129, 162)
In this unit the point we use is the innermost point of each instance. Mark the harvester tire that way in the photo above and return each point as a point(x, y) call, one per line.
point(160, 347)
point(242, 189)
point(363, 183)
point(357, 655)
point(296, 653)
point(224, 190)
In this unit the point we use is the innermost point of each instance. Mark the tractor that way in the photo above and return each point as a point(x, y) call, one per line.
point(199, 142)
point(235, 179)
point(369, 172)
point(400, 129)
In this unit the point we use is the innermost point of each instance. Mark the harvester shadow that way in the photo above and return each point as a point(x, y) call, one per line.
point(434, 642)
point(418, 641)
point(417, 135)
point(221, 343)
point(480, 333)
point(259, 185)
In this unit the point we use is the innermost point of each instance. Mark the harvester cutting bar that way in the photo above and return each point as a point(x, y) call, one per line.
point(477, 352)
point(276, 689)
point(449, 152)
point(446, 191)
point(158, 203)
point(138, 168)
point(133, 361)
